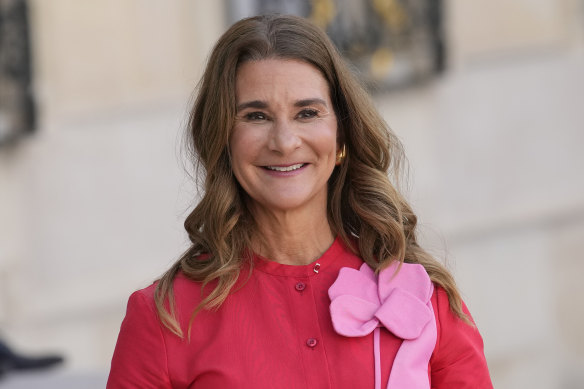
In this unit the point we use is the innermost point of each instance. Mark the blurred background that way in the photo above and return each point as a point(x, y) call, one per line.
point(486, 95)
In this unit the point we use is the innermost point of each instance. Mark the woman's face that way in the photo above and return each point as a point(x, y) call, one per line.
point(284, 141)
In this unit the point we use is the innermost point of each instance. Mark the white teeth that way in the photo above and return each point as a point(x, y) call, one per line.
point(285, 168)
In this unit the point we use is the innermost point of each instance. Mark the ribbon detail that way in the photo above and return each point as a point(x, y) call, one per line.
point(398, 300)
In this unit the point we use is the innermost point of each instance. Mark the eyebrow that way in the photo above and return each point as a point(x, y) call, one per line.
point(263, 105)
point(306, 102)
point(252, 104)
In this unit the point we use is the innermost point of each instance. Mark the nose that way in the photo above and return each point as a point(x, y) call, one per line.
point(284, 138)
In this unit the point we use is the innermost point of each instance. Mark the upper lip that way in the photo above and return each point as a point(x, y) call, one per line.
point(284, 164)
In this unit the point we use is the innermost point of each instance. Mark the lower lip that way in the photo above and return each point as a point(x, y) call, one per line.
point(277, 173)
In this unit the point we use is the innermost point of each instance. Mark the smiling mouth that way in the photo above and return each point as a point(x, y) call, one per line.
point(285, 168)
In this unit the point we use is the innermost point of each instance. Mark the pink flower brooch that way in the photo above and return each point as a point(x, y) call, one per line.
point(361, 302)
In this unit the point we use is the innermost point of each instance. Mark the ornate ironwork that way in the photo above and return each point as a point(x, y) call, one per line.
point(392, 43)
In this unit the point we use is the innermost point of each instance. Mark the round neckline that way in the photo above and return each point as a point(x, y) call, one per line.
point(275, 268)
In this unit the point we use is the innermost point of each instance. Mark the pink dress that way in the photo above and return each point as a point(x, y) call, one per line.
point(276, 330)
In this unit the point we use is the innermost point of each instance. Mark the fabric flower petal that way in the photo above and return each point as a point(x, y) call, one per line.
point(353, 316)
point(404, 314)
point(366, 270)
point(361, 301)
point(410, 277)
point(347, 281)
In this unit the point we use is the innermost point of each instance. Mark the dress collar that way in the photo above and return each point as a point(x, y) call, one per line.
point(323, 263)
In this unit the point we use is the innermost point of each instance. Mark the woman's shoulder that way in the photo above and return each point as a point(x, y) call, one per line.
point(459, 352)
point(440, 302)
point(449, 325)
point(183, 288)
point(445, 315)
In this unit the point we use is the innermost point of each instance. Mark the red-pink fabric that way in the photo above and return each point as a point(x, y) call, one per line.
point(275, 331)
point(397, 299)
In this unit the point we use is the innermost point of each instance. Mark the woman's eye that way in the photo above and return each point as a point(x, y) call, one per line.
point(307, 113)
point(255, 116)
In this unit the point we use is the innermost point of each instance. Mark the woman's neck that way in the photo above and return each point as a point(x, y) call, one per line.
point(292, 238)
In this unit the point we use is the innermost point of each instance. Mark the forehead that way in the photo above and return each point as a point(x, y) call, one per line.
point(279, 77)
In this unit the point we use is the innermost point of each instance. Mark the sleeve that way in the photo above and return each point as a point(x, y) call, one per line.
point(139, 359)
point(458, 361)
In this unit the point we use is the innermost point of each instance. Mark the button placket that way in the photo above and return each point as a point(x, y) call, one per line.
point(300, 286)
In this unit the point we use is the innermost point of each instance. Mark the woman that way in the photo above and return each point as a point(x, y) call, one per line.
point(304, 271)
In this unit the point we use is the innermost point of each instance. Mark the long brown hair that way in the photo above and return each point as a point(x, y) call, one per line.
point(363, 204)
